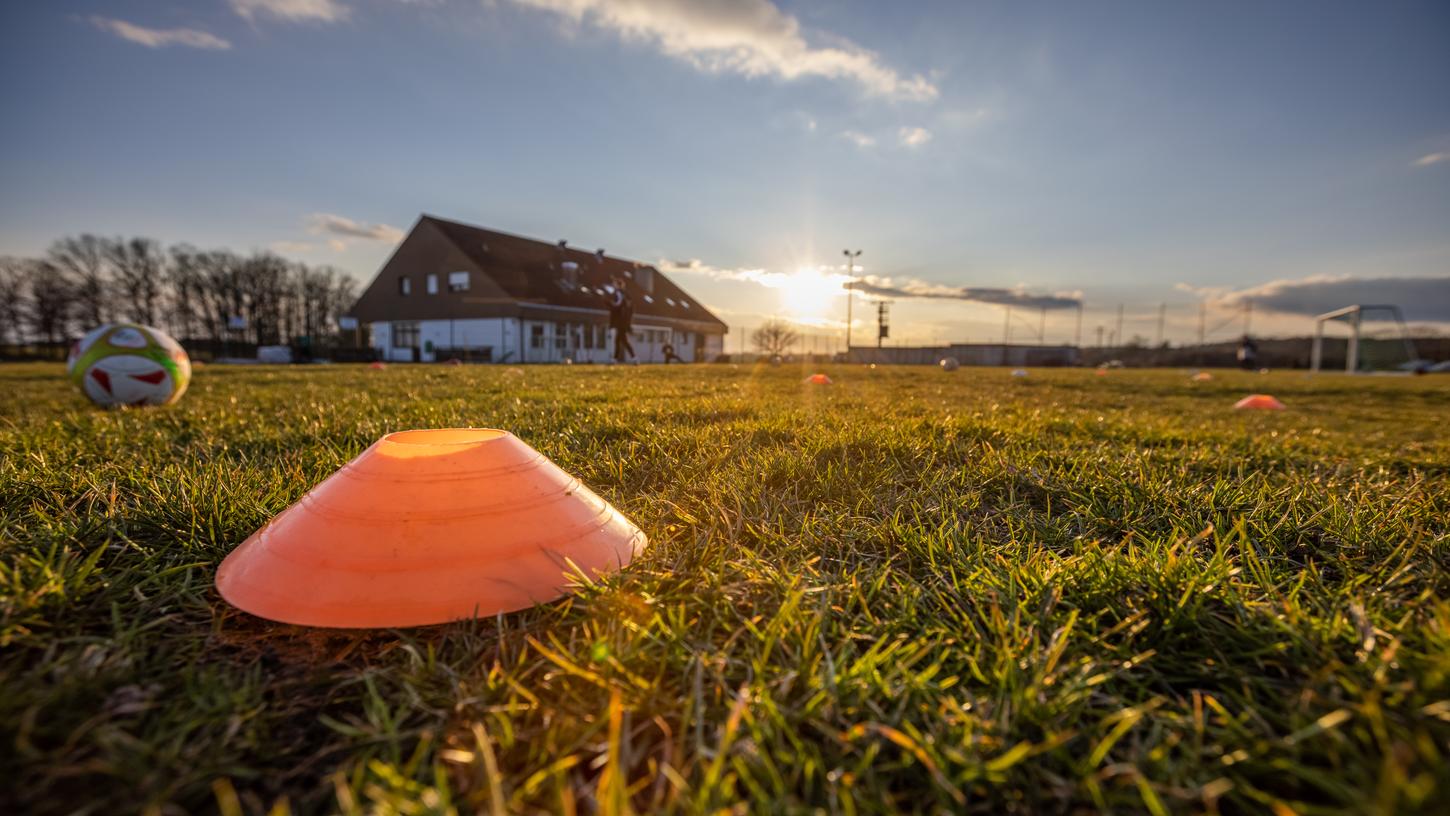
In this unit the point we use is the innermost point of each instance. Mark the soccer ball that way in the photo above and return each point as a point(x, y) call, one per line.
point(129, 364)
point(949, 364)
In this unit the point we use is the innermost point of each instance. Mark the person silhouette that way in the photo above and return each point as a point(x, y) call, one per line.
point(621, 319)
point(1248, 354)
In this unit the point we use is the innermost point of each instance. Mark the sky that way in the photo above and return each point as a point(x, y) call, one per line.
point(980, 155)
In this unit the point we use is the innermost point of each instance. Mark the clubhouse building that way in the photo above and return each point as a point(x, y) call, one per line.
point(453, 290)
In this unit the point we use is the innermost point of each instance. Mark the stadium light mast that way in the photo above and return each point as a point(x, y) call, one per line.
point(850, 293)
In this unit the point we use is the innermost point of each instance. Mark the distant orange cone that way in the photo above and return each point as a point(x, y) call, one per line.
point(427, 527)
point(377, 365)
point(1259, 402)
point(1202, 376)
point(818, 379)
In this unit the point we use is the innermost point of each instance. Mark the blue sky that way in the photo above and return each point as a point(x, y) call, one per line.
point(1135, 153)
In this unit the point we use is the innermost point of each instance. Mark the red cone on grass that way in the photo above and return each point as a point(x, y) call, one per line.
point(427, 527)
point(1258, 402)
point(818, 379)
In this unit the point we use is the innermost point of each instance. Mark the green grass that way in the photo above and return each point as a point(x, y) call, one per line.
point(911, 590)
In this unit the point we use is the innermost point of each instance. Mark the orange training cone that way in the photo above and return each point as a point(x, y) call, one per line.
point(1202, 376)
point(377, 365)
point(427, 527)
point(818, 379)
point(1259, 402)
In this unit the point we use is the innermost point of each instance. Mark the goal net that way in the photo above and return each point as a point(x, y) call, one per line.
point(1363, 339)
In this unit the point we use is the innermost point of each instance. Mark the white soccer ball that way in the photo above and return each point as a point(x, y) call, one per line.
point(949, 364)
point(128, 364)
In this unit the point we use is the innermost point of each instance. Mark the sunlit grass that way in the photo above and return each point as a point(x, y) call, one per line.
point(911, 590)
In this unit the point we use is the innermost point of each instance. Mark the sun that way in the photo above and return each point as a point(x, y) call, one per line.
point(808, 292)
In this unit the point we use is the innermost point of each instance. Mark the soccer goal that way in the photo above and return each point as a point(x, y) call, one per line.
point(1378, 340)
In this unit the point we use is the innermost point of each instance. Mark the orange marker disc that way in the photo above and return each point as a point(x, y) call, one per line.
point(818, 379)
point(377, 365)
point(427, 527)
point(1259, 402)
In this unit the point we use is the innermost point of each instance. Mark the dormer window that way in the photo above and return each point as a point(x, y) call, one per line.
point(405, 286)
point(432, 283)
point(458, 281)
point(645, 277)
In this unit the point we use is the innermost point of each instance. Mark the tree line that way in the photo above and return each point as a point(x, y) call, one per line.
point(84, 281)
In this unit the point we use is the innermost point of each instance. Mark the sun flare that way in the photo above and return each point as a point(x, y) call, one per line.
point(809, 292)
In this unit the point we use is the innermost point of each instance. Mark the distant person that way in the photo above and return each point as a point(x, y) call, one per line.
point(670, 355)
point(621, 319)
point(1248, 354)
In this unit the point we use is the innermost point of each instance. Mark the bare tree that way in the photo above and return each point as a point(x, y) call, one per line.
point(12, 298)
point(186, 316)
point(82, 262)
point(263, 281)
point(774, 337)
point(140, 271)
point(84, 281)
point(52, 297)
point(220, 295)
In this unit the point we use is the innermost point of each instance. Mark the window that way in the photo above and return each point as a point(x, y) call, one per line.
point(405, 286)
point(645, 277)
point(432, 284)
point(685, 303)
point(670, 301)
point(458, 281)
point(536, 335)
point(561, 335)
point(405, 335)
point(648, 299)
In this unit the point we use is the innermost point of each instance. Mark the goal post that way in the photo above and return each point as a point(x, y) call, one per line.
point(1396, 336)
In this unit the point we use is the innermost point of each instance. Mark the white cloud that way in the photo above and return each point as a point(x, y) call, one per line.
point(1425, 298)
point(160, 38)
point(859, 139)
point(914, 136)
point(292, 11)
point(1432, 158)
point(753, 38)
point(1016, 296)
point(293, 247)
point(900, 288)
point(342, 227)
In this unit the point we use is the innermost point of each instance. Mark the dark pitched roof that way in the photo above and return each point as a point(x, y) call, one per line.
point(535, 273)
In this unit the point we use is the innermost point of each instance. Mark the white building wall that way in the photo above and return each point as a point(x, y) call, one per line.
point(511, 340)
point(549, 341)
point(437, 338)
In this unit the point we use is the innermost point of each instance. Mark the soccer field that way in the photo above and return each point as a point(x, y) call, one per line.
point(911, 590)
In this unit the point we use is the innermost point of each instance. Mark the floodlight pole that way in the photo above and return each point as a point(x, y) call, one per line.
point(850, 293)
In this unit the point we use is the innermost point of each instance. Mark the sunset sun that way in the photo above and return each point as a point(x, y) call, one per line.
point(809, 292)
